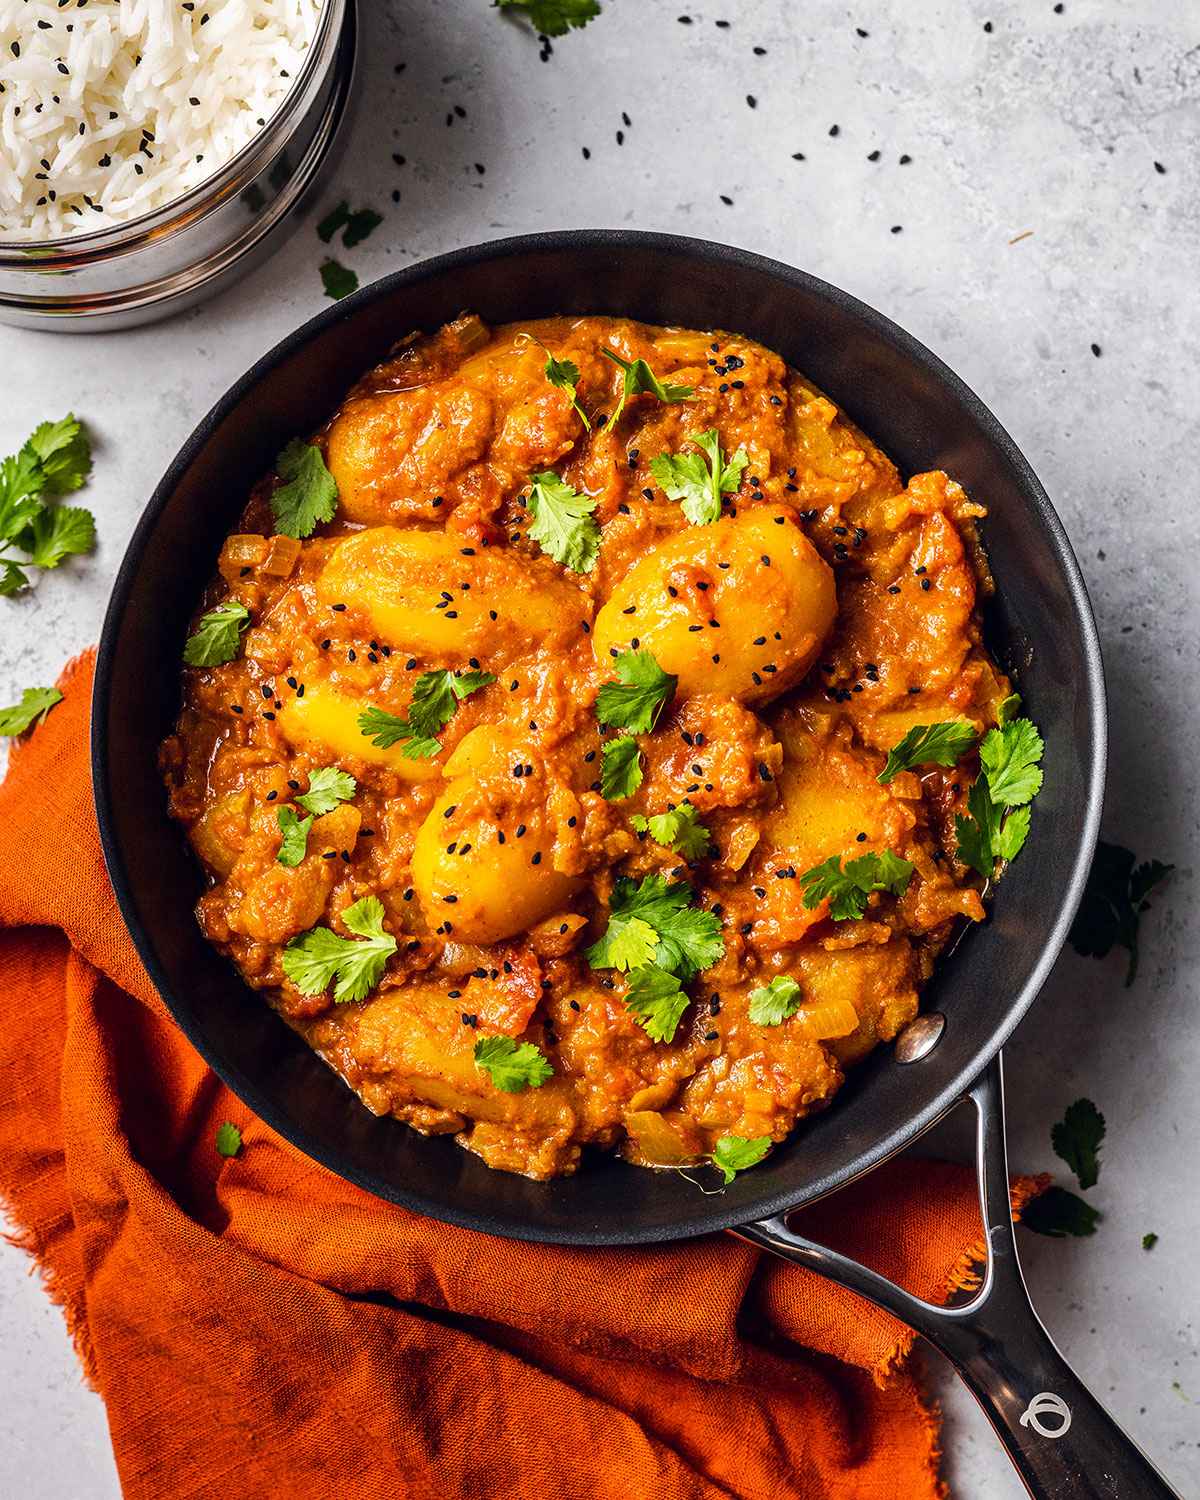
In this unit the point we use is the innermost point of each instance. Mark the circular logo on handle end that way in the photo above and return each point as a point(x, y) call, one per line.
point(1047, 1404)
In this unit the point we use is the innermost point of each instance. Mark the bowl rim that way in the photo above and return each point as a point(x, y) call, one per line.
point(888, 1143)
point(70, 251)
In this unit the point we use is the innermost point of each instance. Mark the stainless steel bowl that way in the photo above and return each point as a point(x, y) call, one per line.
point(164, 261)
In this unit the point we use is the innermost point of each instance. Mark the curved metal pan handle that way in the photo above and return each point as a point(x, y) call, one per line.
point(1063, 1443)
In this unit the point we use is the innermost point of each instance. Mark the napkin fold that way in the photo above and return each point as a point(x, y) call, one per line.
point(259, 1328)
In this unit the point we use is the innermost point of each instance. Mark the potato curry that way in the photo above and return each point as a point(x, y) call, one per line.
point(535, 741)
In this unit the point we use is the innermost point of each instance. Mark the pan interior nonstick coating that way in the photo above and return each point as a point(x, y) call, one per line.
point(1040, 627)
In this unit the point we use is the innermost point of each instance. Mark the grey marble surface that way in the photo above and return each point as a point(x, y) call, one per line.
point(1083, 336)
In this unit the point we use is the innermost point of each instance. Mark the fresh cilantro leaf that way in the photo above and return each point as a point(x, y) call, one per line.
point(308, 494)
point(512, 1066)
point(929, 745)
point(229, 1139)
point(847, 887)
point(338, 280)
point(657, 1000)
point(688, 939)
point(1009, 756)
point(56, 532)
point(318, 956)
point(385, 730)
point(1076, 1139)
point(435, 697)
point(686, 477)
point(332, 222)
point(977, 832)
point(1009, 708)
point(217, 636)
point(1059, 1213)
point(636, 701)
point(734, 1153)
point(679, 829)
point(294, 845)
point(1114, 900)
point(12, 579)
point(563, 375)
point(1011, 836)
point(35, 704)
point(1149, 1241)
point(361, 223)
point(553, 17)
point(640, 379)
point(63, 451)
point(621, 769)
point(327, 786)
point(632, 944)
point(562, 522)
point(774, 1004)
point(21, 482)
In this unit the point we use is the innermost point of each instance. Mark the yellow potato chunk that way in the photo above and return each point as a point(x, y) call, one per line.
point(326, 720)
point(398, 580)
point(701, 599)
point(487, 889)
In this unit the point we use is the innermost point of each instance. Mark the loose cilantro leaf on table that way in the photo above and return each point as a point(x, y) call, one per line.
point(563, 375)
point(733, 1154)
point(1059, 1213)
point(620, 770)
point(562, 522)
point(929, 745)
point(700, 485)
point(635, 701)
point(229, 1139)
point(848, 886)
point(338, 280)
point(435, 697)
point(657, 999)
point(640, 379)
point(997, 823)
point(294, 844)
point(315, 958)
point(327, 786)
point(1114, 901)
point(1076, 1139)
point(355, 226)
point(308, 494)
point(216, 638)
point(1149, 1241)
point(35, 704)
point(553, 17)
point(512, 1066)
point(688, 939)
point(55, 459)
point(678, 829)
point(772, 1005)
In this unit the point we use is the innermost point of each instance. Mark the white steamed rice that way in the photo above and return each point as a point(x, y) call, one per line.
point(111, 108)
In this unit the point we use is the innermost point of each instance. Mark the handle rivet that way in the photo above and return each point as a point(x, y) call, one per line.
point(920, 1037)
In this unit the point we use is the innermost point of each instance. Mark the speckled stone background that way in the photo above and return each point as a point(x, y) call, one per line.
point(1032, 212)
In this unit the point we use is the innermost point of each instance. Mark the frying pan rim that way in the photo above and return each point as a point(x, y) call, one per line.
point(715, 1218)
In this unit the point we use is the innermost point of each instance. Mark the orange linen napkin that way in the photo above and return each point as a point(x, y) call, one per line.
point(260, 1329)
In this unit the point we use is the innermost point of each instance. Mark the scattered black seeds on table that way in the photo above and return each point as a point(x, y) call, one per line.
point(874, 155)
point(1160, 169)
point(835, 130)
point(861, 32)
point(987, 26)
point(1096, 350)
point(751, 101)
point(799, 156)
point(897, 228)
point(726, 200)
point(905, 159)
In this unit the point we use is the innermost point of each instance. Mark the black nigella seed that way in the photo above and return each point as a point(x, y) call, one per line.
point(835, 130)
point(1096, 350)
point(726, 200)
point(874, 155)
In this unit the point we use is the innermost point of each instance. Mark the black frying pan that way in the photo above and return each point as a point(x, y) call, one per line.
point(1041, 625)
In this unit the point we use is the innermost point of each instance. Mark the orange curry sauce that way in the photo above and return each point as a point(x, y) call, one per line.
point(830, 609)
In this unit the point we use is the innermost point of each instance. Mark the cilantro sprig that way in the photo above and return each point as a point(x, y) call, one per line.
point(678, 829)
point(1077, 1138)
point(294, 844)
point(218, 635)
point(553, 17)
point(640, 380)
point(620, 768)
point(697, 483)
point(308, 495)
point(228, 1139)
point(848, 886)
point(562, 523)
point(638, 697)
point(54, 460)
point(338, 280)
point(734, 1153)
point(512, 1066)
point(1060, 1213)
point(563, 375)
point(657, 999)
point(35, 704)
point(317, 957)
point(997, 823)
point(687, 939)
point(436, 695)
point(327, 787)
point(774, 1003)
point(355, 224)
point(942, 744)
point(1114, 901)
